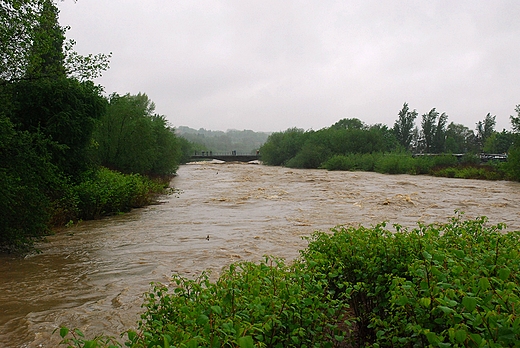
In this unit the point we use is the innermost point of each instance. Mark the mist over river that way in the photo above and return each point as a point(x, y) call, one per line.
point(92, 276)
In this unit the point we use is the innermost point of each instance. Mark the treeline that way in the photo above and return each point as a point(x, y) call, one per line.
point(241, 141)
point(59, 134)
point(350, 144)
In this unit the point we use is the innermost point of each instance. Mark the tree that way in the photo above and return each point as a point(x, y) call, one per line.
point(46, 57)
point(433, 133)
point(17, 20)
point(403, 126)
point(513, 161)
point(32, 44)
point(515, 120)
point(439, 136)
point(428, 130)
point(499, 142)
point(349, 123)
point(131, 138)
point(65, 111)
point(28, 182)
point(459, 139)
point(280, 147)
point(485, 129)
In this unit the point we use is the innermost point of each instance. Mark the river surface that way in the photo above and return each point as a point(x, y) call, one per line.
point(92, 276)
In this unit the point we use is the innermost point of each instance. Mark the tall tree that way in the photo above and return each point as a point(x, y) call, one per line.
point(515, 120)
point(46, 57)
point(32, 44)
point(17, 21)
point(428, 130)
point(513, 161)
point(439, 136)
point(133, 139)
point(485, 129)
point(403, 126)
point(459, 139)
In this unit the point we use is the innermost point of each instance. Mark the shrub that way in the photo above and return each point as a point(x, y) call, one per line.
point(396, 164)
point(364, 162)
point(267, 304)
point(455, 284)
point(107, 192)
point(439, 285)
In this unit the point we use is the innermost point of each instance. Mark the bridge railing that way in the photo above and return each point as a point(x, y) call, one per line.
point(227, 154)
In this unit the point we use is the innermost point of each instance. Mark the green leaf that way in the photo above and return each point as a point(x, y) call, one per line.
point(63, 332)
point(483, 284)
point(427, 255)
point(460, 336)
point(470, 303)
point(202, 319)
point(192, 343)
point(446, 310)
point(245, 342)
point(216, 310)
point(425, 302)
point(504, 273)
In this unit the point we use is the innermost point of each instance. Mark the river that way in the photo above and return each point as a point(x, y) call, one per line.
point(92, 276)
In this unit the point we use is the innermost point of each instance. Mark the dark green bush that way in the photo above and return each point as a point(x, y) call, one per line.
point(109, 192)
point(454, 284)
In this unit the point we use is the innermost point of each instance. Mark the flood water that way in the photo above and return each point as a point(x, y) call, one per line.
point(92, 276)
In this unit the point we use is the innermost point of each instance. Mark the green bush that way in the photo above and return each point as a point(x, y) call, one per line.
point(364, 162)
point(267, 304)
point(107, 192)
point(455, 284)
point(441, 285)
point(396, 163)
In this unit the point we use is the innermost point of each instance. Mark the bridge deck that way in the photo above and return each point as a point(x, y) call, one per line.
point(226, 157)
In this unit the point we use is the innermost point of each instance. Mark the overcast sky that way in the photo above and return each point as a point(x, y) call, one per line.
point(269, 65)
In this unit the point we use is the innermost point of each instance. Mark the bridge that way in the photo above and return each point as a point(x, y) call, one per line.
point(226, 157)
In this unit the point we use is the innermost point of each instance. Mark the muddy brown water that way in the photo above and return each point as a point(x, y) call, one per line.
point(92, 276)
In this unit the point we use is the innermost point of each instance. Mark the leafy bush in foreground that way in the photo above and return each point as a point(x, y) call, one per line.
point(440, 285)
point(451, 285)
point(267, 304)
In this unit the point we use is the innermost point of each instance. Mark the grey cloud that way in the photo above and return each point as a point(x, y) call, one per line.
point(270, 65)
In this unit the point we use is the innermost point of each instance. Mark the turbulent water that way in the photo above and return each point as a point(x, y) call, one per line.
point(92, 276)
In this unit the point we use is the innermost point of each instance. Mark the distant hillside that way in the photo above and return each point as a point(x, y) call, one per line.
point(244, 141)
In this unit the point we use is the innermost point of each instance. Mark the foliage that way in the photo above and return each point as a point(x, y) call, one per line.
point(312, 149)
point(441, 285)
point(460, 139)
point(353, 162)
point(131, 138)
point(515, 120)
point(62, 109)
point(433, 132)
point(482, 172)
point(403, 126)
point(454, 284)
point(513, 161)
point(485, 129)
point(105, 192)
point(280, 147)
point(32, 44)
point(499, 142)
point(76, 338)
point(28, 182)
point(267, 304)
